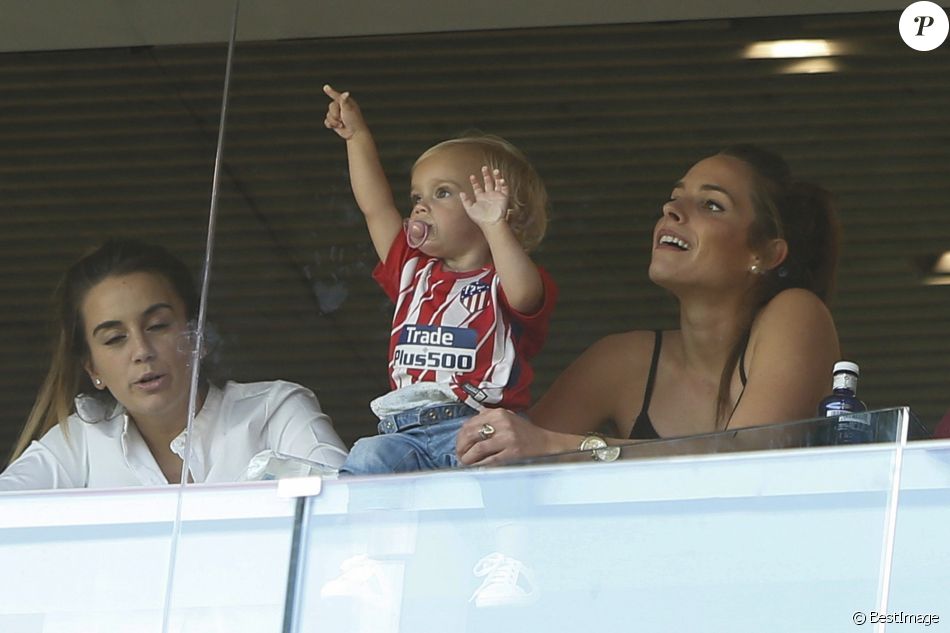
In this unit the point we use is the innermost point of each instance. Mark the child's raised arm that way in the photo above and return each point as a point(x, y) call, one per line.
point(517, 273)
point(367, 179)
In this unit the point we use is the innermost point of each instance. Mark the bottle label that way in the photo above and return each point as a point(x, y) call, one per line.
point(853, 429)
point(846, 380)
point(833, 407)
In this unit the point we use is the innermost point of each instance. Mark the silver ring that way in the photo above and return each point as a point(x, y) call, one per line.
point(486, 431)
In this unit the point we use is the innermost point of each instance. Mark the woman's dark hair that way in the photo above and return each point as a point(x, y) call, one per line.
point(802, 214)
point(66, 377)
point(799, 212)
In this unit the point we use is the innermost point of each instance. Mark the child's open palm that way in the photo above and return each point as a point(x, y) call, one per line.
point(491, 198)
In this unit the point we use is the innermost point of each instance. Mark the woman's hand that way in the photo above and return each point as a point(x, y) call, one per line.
point(498, 435)
point(343, 114)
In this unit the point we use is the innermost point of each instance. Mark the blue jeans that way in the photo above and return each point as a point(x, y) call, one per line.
point(422, 438)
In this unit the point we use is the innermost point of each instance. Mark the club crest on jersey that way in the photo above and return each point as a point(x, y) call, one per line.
point(475, 296)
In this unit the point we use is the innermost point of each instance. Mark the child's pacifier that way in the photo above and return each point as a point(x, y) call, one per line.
point(417, 231)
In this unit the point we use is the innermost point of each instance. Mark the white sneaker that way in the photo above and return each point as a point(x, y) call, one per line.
point(508, 582)
point(362, 577)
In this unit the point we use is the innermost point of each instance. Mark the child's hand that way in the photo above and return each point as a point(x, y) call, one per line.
point(343, 114)
point(491, 200)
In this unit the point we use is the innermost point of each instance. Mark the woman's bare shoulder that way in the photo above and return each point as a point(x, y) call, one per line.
point(794, 303)
point(792, 349)
point(794, 317)
point(623, 352)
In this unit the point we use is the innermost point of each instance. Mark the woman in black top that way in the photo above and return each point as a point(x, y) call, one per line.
point(750, 254)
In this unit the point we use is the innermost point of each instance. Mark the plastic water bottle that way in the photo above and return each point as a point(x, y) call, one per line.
point(848, 429)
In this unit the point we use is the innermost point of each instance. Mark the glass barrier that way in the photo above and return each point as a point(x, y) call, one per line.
point(91, 560)
point(234, 547)
point(790, 540)
point(720, 542)
point(84, 560)
point(921, 569)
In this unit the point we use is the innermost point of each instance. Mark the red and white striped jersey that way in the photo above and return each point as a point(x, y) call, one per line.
point(458, 329)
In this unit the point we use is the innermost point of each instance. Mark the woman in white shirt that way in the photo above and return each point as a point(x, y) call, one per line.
point(114, 406)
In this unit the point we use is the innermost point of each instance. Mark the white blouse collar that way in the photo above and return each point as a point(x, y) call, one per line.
point(92, 409)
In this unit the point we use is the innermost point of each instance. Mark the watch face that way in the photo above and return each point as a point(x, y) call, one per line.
point(607, 453)
point(592, 442)
point(599, 448)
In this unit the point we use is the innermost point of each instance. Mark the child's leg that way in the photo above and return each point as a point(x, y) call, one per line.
point(422, 438)
point(384, 454)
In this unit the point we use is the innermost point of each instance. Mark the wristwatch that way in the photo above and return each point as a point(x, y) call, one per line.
point(599, 449)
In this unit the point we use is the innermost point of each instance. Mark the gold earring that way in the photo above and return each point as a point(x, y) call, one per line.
point(755, 270)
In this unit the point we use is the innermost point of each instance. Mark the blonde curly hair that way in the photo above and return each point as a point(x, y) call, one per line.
point(528, 197)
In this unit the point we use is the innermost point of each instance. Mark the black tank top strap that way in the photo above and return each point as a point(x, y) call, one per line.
point(648, 392)
point(742, 377)
point(643, 426)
